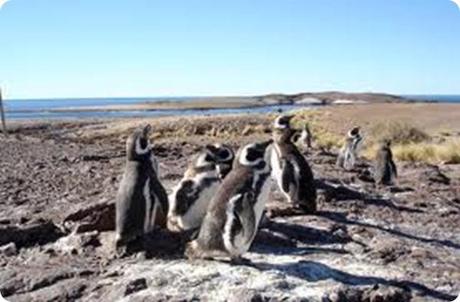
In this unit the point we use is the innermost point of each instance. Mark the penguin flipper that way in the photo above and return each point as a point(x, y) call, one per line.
point(248, 215)
point(393, 168)
point(244, 216)
point(288, 174)
point(160, 202)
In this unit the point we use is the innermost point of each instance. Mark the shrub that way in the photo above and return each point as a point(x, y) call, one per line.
point(448, 152)
point(398, 133)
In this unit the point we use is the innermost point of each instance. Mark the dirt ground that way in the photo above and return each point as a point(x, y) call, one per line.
point(58, 182)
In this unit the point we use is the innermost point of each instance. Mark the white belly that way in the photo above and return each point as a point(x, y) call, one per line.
point(277, 171)
point(276, 165)
point(261, 202)
point(195, 214)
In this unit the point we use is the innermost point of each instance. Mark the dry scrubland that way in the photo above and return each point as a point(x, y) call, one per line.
point(58, 182)
point(419, 132)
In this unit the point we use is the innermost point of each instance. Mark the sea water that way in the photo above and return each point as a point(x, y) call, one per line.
point(43, 108)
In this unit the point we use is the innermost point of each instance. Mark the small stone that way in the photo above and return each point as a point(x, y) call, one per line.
point(344, 294)
point(246, 295)
point(135, 286)
point(383, 293)
point(9, 249)
point(75, 243)
point(159, 281)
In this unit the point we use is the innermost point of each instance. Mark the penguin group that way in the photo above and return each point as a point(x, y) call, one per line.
point(221, 197)
point(384, 169)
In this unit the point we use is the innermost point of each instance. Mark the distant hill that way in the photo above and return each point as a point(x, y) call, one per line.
point(332, 97)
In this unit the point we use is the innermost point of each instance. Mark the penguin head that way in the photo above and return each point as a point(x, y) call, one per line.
point(137, 144)
point(254, 155)
point(385, 143)
point(206, 159)
point(285, 135)
point(354, 138)
point(221, 152)
point(354, 132)
point(283, 122)
point(224, 158)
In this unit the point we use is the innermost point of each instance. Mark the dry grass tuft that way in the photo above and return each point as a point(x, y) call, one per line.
point(446, 152)
point(322, 137)
point(325, 139)
point(398, 133)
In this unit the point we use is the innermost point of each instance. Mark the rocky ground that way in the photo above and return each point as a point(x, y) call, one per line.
point(57, 188)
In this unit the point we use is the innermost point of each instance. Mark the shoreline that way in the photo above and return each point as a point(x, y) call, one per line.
point(221, 103)
point(430, 116)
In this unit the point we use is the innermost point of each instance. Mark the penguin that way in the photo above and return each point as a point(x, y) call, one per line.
point(141, 202)
point(234, 213)
point(306, 137)
point(290, 169)
point(349, 151)
point(189, 200)
point(385, 171)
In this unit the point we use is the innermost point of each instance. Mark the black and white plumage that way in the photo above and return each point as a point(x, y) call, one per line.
point(306, 137)
point(385, 171)
point(141, 201)
point(290, 169)
point(234, 213)
point(189, 200)
point(348, 154)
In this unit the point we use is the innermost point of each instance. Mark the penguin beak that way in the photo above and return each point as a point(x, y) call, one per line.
point(262, 146)
point(211, 148)
point(283, 121)
point(224, 169)
point(146, 130)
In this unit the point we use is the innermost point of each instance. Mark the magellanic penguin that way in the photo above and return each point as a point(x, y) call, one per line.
point(234, 213)
point(290, 169)
point(189, 200)
point(384, 167)
point(306, 137)
point(349, 152)
point(141, 202)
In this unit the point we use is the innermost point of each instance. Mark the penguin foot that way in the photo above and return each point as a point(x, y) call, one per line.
point(306, 209)
point(125, 248)
point(240, 261)
point(193, 251)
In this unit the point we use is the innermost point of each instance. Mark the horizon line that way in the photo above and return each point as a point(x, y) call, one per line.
point(226, 96)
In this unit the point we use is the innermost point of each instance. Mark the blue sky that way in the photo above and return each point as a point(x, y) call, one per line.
point(101, 48)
